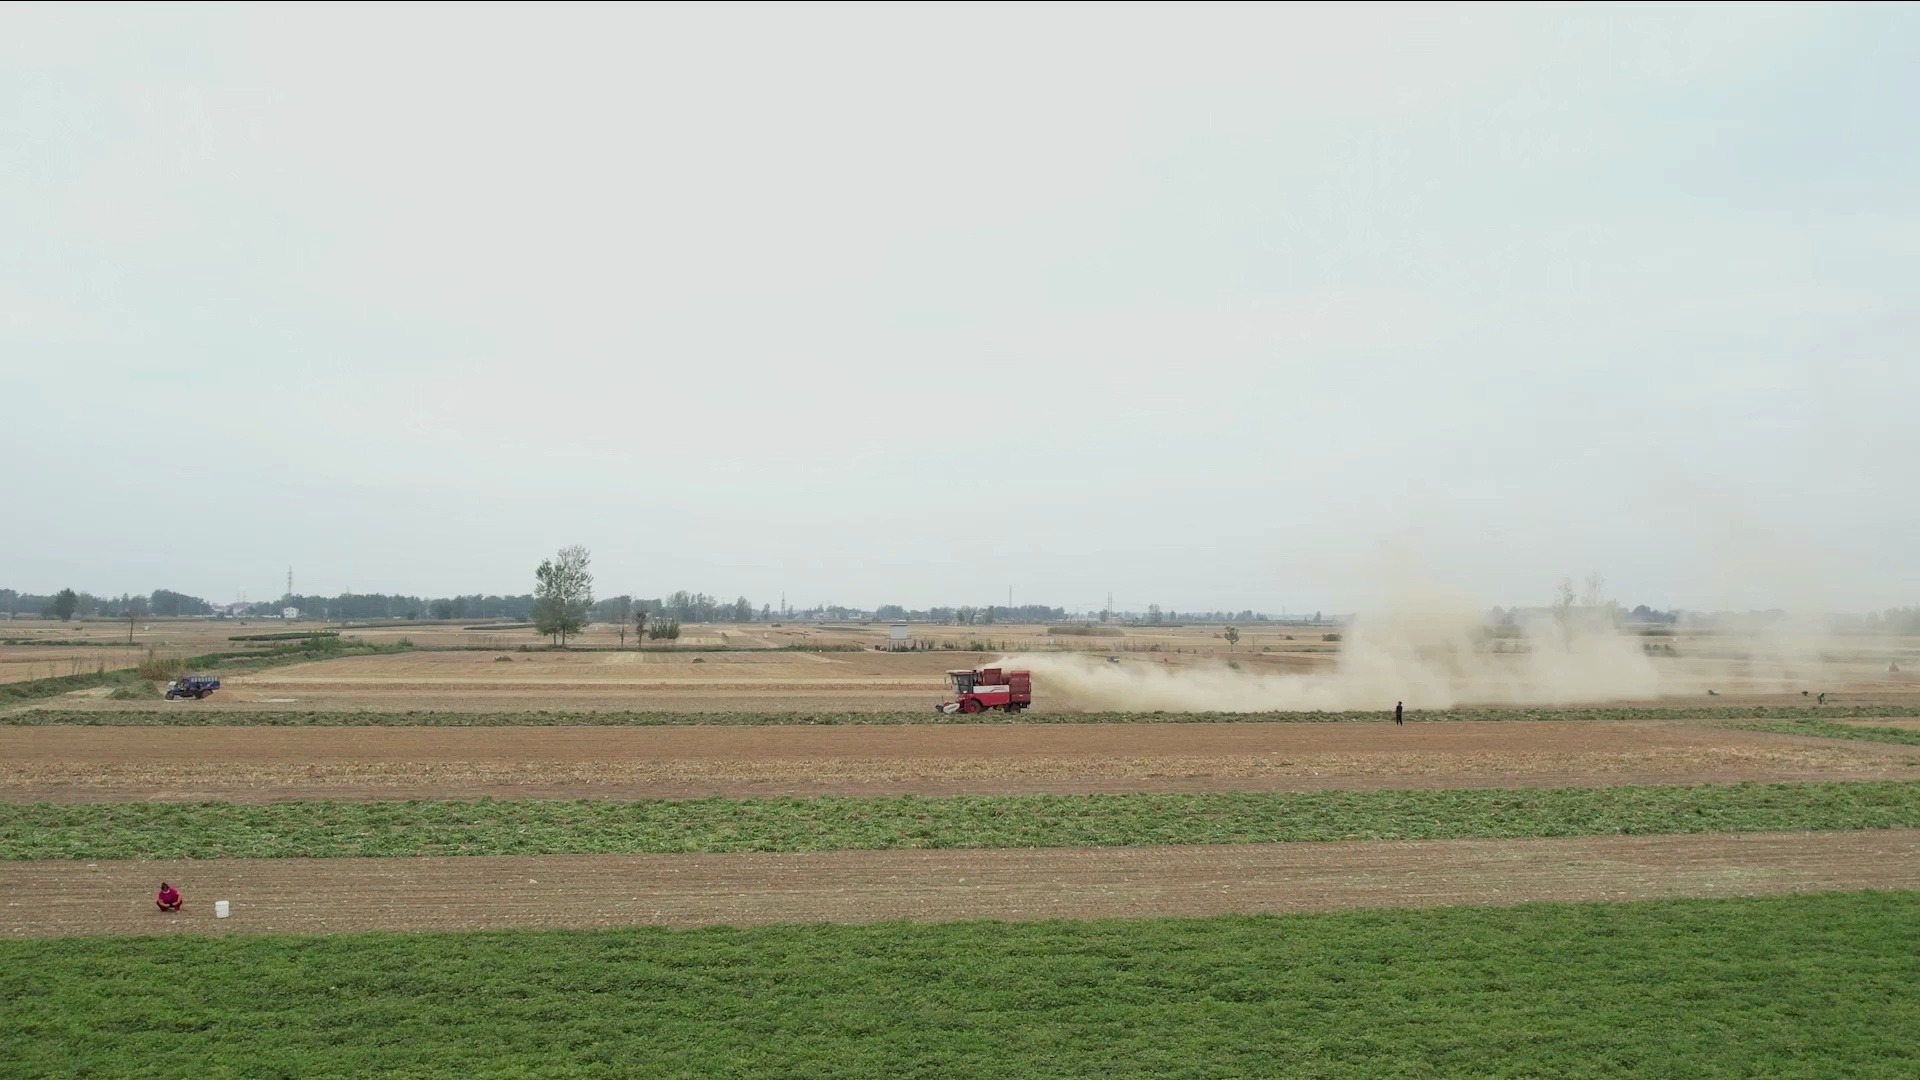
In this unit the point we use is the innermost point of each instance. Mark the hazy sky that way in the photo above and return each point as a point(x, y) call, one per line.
point(1201, 306)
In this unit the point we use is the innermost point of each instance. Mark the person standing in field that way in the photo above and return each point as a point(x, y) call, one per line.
point(1399, 713)
point(168, 899)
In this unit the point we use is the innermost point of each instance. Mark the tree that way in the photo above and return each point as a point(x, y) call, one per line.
point(1595, 591)
point(136, 608)
point(669, 629)
point(639, 627)
point(169, 604)
point(1153, 614)
point(11, 600)
point(65, 602)
point(1233, 637)
point(626, 615)
point(563, 592)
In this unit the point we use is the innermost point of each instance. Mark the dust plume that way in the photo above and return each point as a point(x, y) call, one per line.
point(1434, 652)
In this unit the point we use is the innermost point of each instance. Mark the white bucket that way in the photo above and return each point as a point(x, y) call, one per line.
point(220, 910)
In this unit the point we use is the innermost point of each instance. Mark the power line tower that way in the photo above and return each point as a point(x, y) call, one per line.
point(289, 581)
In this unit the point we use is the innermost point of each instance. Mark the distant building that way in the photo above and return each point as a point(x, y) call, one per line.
point(289, 612)
point(898, 638)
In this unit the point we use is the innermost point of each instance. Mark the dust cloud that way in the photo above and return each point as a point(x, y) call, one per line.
point(1432, 652)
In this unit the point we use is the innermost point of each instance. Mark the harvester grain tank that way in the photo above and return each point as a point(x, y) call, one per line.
point(979, 689)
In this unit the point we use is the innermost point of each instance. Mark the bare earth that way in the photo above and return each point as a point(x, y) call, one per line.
point(280, 896)
point(76, 764)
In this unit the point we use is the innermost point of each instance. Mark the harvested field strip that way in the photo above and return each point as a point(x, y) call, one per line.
point(593, 892)
point(1823, 730)
point(229, 716)
point(265, 656)
point(265, 764)
point(93, 831)
point(1809, 985)
point(509, 746)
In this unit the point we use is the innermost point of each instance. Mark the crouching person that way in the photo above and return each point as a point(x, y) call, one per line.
point(169, 898)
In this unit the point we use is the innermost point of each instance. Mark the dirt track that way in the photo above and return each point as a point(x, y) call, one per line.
point(264, 764)
point(281, 895)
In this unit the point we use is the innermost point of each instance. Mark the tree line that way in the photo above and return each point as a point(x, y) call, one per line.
point(682, 606)
point(70, 604)
point(571, 607)
point(968, 615)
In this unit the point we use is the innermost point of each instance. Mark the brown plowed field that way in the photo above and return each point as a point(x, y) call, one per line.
point(263, 764)
point(286, 895)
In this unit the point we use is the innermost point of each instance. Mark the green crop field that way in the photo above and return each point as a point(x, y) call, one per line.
point(489, 827)
point(1824, 730)
point(1812, 986)
point(188, 715)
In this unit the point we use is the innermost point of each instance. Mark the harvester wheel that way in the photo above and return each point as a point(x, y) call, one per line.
point(971, 705)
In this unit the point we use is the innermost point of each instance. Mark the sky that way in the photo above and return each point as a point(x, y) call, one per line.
point(1209, 307)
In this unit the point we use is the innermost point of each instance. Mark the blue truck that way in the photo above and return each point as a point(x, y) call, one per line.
point(193, 686)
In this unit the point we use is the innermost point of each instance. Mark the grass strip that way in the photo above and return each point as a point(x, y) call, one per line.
point(91, 831)
point(1809, 986)
point(55, 685)
point(1825, 730)
point(189, 715)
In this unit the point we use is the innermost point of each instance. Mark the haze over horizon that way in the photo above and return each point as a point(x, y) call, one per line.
point(1201, 306)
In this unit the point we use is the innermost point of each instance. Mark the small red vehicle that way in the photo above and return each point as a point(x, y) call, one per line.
point(988, 688)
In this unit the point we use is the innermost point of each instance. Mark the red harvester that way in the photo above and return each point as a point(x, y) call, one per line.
point(988, 688)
